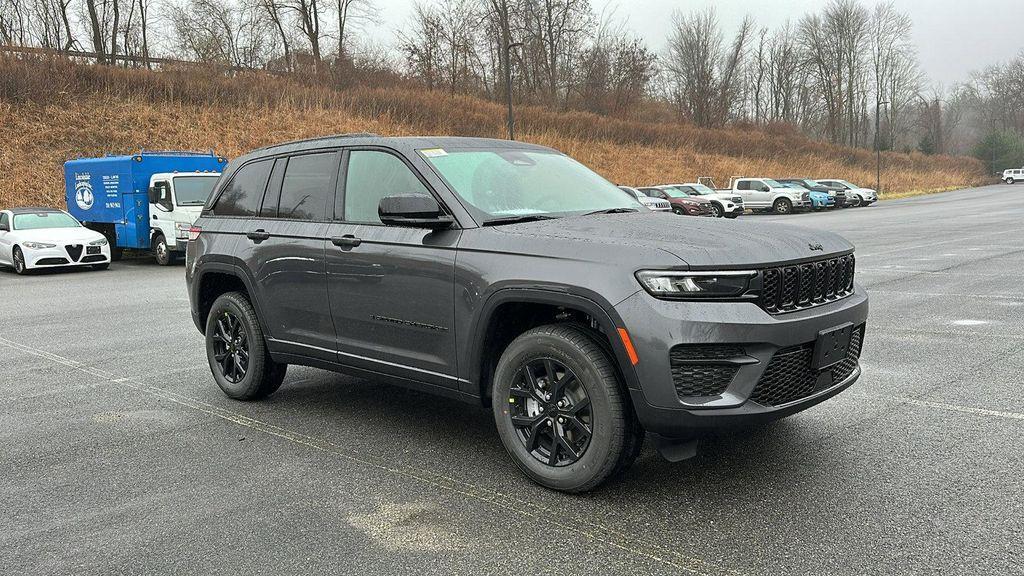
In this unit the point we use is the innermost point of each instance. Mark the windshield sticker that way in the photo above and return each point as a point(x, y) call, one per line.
point(434, 152)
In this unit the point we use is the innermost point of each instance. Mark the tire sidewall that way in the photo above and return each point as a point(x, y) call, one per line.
point(678, 211)
point(1010, 180)
point(246, 387)
point(18, 257)
point(603, 440)
point(157, 243)
point(783, 206)
point(857, 201)
point(717, 211)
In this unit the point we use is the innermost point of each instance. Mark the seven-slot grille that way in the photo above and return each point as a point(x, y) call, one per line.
point(801, 286)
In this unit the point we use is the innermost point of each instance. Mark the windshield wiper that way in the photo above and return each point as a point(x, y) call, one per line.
point(516, 219)
point(612, 211)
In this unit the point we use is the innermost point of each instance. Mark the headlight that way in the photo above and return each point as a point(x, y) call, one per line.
point(672, 284)
point(37, 245)
point(100, 242)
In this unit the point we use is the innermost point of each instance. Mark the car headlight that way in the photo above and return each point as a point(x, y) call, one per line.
point(37, 245)
point(697, 285)
point(100, 242)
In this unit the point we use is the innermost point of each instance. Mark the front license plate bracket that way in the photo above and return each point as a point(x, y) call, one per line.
point(832, 346)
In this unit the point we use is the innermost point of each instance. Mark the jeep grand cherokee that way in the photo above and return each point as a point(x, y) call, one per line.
point(509, 275)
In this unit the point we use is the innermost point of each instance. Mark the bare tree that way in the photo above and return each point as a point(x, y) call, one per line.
point(702, 69)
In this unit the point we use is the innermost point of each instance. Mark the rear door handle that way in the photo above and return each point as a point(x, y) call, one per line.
point(258, 235)
point(346, 241)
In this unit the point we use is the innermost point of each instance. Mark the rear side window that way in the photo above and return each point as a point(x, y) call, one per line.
point(307, 186)
point(372, 175)
point(244, 194)
point(743, 185)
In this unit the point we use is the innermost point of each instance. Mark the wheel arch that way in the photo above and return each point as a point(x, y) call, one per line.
point(511, 311)
point(216, 278)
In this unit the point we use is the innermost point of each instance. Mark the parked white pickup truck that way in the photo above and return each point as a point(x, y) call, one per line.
point(1013, 175)
point(767, 194)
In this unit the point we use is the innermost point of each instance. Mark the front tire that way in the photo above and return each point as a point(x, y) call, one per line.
point(716, 210)
point(237, 351)
point(561, 411)
point(19, 261)
point(161, 252)
point(783, 206)
point(854, 202)
point(1010, 180)
point(678, 211)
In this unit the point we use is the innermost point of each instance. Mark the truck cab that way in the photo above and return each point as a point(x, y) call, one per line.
point(144, 201)
point(767, 194)
point(175, 201)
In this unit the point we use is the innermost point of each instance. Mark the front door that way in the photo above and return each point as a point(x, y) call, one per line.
point(392, 289)
point(5, 240)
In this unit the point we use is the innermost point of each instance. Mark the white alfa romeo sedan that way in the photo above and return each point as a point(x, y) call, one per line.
point(33, 238)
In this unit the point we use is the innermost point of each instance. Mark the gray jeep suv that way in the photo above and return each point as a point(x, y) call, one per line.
point(510, 276)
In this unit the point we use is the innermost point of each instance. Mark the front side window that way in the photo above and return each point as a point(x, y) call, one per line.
point(502, 183)
point(38, 220)
point(193, 190)
point(307, 186)
point(372, 175)
point(244, 194)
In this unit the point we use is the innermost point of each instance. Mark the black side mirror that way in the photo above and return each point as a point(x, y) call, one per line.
point(413, 211)
point(765, 189)
point(153, 195)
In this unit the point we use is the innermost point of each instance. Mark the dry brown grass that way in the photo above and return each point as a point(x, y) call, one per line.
point(51, 111)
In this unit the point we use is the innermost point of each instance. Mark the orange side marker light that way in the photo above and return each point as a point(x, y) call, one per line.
point(624, 336)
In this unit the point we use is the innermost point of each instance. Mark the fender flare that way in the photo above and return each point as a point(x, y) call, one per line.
point(230, 268)
point(594, 305)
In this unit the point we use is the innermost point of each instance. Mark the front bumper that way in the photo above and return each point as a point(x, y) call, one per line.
point(656, 326)
point(64, 255)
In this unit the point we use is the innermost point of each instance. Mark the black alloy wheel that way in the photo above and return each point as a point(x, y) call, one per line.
point(231, 347)
point(551, 412)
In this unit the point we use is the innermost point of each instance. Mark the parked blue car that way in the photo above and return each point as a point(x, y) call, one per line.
point(819, 200)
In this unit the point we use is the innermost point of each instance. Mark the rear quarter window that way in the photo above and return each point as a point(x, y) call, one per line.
point(243, 195)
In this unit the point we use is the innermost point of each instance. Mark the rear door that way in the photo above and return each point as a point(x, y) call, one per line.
point(392, 289)
point(283, 247)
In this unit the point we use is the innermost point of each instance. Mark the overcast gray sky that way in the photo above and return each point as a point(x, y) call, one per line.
point(953, 36)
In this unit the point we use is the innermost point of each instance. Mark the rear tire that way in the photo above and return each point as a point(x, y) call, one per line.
point(19, 261)
point(783, 206)
point(594, 399)
point(237, 351)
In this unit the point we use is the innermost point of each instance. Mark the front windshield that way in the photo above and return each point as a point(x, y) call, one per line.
point(502, 183)
point(38, 220)
point(847, 184)
point(676, 192)
point(772, 183)
point(193, 190)
point(701, 189)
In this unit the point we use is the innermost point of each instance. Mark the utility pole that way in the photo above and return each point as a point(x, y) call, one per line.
point(878, 147)
point(508, 82)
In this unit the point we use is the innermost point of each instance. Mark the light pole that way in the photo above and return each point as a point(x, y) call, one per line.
point(508, 85)
point(878, 148)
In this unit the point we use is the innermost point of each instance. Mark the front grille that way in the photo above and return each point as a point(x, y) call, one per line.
point(801, 286)
point(51, 261)
point(789, 376)
point(703, 369)
point(74, 251)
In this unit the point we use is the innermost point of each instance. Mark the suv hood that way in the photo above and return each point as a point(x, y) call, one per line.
point(698, 242)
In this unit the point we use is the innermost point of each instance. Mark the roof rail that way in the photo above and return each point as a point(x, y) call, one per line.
point(318, 138)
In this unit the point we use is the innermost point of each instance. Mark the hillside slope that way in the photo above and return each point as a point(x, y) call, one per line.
point(52, 111)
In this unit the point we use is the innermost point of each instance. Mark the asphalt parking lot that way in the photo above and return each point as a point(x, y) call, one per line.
point(120, 454)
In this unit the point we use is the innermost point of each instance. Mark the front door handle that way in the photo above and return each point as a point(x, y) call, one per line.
point(258, 236)
point(346, 241)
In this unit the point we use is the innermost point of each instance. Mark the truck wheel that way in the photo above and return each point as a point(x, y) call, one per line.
point(783, 206)
point(1009, 180)
point(716, 210)
point(237, 352)
point(561, 411)
point(19, 261)
point(161, 252)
